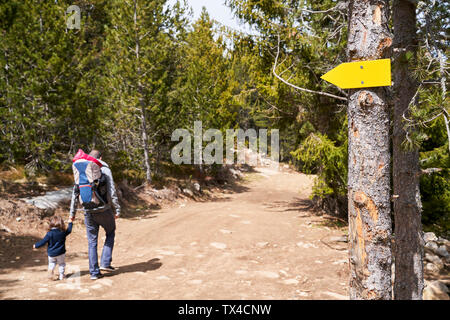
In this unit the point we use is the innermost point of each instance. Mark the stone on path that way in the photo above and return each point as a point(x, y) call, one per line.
point(442, 251)
point(302, 293)
point(196, 282)
point(290, 281)
point(43, 290)
point(241, 272)
point(431, 246)
point(284, 273)
point(339, 239)
point(343, 261)
point(67, 286)
point(226, 231)
point(431, 267)
point(165, 252)
point(268, 274)
point(106, 282)
point(429, 236)
point(306, 245)
point(435, 260)
point(336, 295)
point(96, 286)
point(435, 290)
point(262, 244)
point(218, 245)
point(163, 278)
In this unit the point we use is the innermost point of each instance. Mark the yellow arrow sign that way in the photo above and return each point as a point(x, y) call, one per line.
point(361, 74)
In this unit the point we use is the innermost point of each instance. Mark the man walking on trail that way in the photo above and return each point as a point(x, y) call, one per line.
point(102, 216)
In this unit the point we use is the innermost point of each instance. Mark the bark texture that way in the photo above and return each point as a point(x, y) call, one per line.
point(370, 226)
point(409, 282)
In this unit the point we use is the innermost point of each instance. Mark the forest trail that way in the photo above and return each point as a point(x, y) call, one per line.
point(261, 242)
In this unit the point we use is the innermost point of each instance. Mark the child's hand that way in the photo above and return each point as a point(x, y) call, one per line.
point(71, 220)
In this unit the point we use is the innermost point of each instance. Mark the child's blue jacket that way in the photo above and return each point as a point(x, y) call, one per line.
point(56, 240)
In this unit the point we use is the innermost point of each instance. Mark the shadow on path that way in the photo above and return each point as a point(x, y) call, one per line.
point(150, 265)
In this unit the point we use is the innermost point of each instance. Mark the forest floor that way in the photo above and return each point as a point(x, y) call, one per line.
point(261, 240)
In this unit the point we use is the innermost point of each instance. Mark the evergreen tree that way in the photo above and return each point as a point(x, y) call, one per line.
point(47, 81)
point(407, 205)
point(139, 54)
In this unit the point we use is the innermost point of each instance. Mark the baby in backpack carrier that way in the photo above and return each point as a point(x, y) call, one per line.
point(56, 240)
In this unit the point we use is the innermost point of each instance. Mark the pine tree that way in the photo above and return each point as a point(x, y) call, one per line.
point(369, 158)
point(47, 81)
point(139, 48)
point(407, 204)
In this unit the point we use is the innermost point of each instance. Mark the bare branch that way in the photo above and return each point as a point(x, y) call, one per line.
point(448, 130)
point(294, 86)
point(430, 170)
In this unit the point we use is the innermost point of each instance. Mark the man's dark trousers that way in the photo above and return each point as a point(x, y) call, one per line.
point(93, 221)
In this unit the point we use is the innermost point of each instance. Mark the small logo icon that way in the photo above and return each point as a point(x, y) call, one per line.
point(73, 17)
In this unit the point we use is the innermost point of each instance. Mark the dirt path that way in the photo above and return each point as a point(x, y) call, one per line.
point(261, 243)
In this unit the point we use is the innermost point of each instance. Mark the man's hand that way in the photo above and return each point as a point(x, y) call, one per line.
point(70, 219)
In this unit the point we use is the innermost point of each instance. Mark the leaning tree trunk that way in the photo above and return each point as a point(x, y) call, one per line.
point(369, 158)
point(408, 283)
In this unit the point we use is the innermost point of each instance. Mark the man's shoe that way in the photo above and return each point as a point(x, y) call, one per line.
point(96, 276)
point(110, 268)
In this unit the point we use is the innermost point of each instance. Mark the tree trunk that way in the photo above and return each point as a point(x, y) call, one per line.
point(408, 283)
point(442, 64)
point(145, 141)
point(141, 93)
point(370, 225)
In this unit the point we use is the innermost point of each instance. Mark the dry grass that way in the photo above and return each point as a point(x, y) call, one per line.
point(11, 174)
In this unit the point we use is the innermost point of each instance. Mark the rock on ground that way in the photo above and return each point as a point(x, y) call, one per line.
point(435, 290)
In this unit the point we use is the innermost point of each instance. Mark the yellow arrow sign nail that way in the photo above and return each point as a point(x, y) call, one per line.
point(361, 74)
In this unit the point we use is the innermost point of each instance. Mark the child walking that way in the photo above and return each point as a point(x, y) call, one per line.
point(56, 239)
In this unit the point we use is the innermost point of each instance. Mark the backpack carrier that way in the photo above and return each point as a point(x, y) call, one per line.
point(88, 180)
